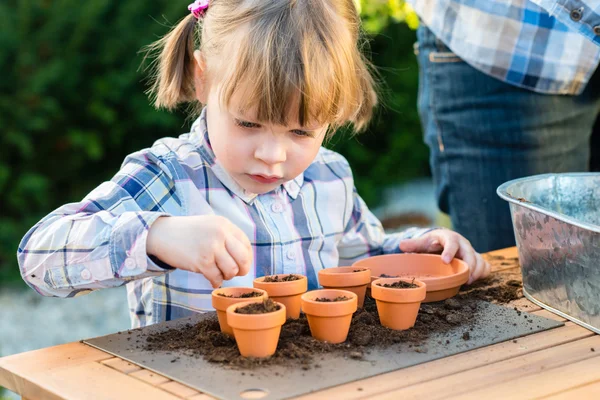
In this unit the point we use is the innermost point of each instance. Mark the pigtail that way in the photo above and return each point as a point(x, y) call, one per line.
point(172, 70)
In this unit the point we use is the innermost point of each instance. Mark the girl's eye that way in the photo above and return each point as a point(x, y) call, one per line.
point(246, 124)
point(300, 132)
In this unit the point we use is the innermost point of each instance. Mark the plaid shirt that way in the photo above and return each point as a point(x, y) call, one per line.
point(314, 221)
point(519, 42)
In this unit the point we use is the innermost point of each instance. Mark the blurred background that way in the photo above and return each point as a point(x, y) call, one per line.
point(72, 106)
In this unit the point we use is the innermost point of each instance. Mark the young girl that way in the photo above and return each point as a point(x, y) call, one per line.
point(249, 191)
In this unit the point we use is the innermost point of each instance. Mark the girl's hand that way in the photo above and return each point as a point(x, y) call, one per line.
point(451, 245)
point(207, 244)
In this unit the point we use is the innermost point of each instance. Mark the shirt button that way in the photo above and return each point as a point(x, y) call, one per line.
point(597, 30)
point(291, 254)
point(577, 14)
point(86, 275)
point(276, 207)
point(130, 263)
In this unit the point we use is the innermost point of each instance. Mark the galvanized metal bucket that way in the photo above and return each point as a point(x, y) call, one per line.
point(556, 219)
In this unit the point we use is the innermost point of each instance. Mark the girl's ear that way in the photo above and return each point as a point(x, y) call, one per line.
point(200, 85)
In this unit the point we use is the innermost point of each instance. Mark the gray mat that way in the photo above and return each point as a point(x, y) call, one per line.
point(492, 324)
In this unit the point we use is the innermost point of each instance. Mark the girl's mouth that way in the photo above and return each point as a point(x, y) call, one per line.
point(265, 179)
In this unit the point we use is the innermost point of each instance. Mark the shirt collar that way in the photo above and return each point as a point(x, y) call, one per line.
point(199, 128)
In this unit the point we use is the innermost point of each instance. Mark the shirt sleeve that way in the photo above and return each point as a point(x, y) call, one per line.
point(582, 16)
point(364, 235)
point(100, 242)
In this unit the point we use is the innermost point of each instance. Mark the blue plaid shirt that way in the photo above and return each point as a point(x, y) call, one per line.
point(548, 46)
point(314, 221)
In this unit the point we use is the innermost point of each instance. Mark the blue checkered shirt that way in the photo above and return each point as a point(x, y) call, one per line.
point(314, 221)
point(548, 46)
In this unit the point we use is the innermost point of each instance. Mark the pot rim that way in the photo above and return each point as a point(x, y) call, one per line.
point(434, 282)
point(279, 289)
point(403, 295)
point(221, 303)
point(255, 322)
point(329, 309)
point(344, 277)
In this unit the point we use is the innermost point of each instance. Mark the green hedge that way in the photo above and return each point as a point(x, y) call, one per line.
point(72, 105)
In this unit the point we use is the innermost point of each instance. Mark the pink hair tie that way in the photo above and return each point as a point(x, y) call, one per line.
point(198, 8)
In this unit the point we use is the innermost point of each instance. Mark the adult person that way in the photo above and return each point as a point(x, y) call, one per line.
point(508, 88)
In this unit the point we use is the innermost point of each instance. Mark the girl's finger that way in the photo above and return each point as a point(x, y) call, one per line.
point(226, 264)
point(418, 245)
point(467, 254)
point(241, 236)
point(241, 254)
point(485, 267)
point(451, 246)
point(213, 275)
point(480, 269)
point(435, 246)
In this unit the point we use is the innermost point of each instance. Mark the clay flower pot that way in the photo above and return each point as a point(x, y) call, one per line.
point(256, 335)
point(287, 292)
point(443, 280)
point(329, 321)
point(398, 308)
point(221, 303)
point(345, 278)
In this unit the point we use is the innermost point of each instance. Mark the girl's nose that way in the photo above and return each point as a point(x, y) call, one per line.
point(271, 151)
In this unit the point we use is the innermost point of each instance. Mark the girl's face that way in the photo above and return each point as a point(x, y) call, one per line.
point(260, 157)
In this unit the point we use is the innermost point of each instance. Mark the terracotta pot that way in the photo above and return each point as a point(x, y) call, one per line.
point(329, 321)
point(221, 303)
point(398, 308)
point(256, 335)
point(443, 280)
point(287, 293)
point(344, 278)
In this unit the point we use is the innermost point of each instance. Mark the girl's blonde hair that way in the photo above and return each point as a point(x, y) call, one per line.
point(305, 54)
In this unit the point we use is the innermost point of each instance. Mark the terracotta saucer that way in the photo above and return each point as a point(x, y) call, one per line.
point(442, 280)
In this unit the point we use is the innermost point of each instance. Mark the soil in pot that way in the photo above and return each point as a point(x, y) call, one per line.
point(282, 278)
point(326, 300)
point(241, 296)
point(399, 285)
point(266, 306)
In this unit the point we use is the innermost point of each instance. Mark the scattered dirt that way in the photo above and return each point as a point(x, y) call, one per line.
point(326, 300)
point(499, 289)
point(286, 278)
point(241, 296)
point(266, 306)
point(358, 270)
point(503, 262)
point(297, 348)
point(388, 276)
point(399, 285)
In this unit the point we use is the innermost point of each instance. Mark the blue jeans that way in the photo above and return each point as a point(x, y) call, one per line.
point(482, 132)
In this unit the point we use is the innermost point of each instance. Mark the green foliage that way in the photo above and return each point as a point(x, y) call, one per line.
point(378, 14)
point(392, 149)
point(72, 103)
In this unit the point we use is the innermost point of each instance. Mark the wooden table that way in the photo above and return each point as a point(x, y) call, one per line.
point(562, 363)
